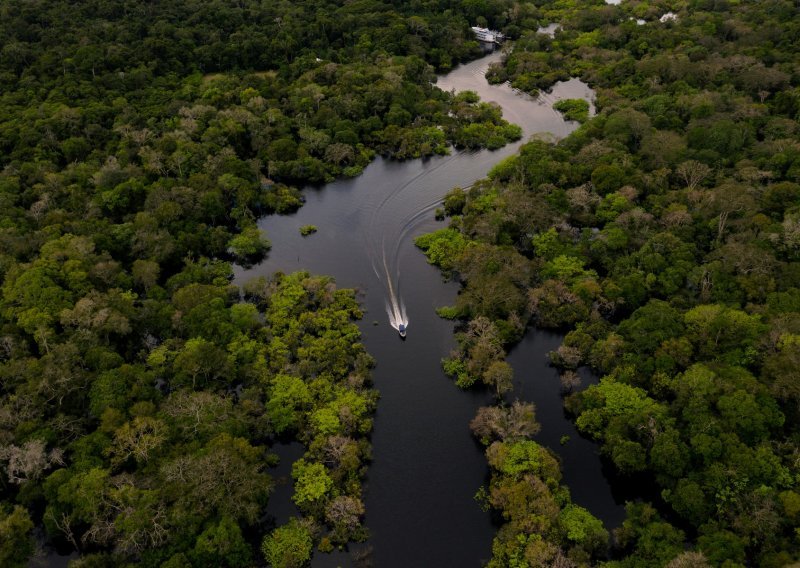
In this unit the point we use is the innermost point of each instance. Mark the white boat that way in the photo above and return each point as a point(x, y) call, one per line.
point(486, 35)
point(402, 329)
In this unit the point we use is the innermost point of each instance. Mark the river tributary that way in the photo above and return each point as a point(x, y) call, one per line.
point(426, 466)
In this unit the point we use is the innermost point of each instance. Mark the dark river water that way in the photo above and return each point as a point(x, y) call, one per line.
point(426, 467)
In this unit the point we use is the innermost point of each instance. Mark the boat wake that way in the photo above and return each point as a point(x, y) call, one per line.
point(395, 308)
point(397, 314)
point(395, 230)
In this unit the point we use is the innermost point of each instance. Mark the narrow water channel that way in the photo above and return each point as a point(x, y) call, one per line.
point(426, 466)
point(582, 470)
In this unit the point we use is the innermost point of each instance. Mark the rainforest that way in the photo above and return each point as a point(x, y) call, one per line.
point(214, 216)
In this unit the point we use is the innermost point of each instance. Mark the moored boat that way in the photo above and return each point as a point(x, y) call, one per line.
point(488, 36)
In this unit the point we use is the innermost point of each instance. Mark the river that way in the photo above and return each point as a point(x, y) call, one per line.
point(426, 467)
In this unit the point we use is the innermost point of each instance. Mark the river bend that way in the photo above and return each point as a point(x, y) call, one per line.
point(426, 466)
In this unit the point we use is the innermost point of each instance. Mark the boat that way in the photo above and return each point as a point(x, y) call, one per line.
point(488, 36)
point(402, 329)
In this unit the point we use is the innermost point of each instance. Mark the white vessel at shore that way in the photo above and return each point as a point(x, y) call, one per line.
point(488, 36)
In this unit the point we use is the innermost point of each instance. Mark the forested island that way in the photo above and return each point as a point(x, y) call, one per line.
point(142, 390)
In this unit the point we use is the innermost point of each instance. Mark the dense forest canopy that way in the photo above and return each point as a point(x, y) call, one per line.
point(141, 390)
point(661, 237)
point(139, 143)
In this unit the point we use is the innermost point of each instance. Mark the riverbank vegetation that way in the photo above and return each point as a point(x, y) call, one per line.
point(139, 144)
point(573, 109)
point(542, 527)
point(659, 236)
point(141, 391)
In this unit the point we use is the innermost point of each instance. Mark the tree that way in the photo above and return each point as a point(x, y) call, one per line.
point(628, 127)
point(693, 173)
point(583, 529)
point(652, 540)
point(289, 399)
point(662, 148)
point(689, 560)
point(651, 325)
point(344, 514)
point(138, 439)
point(511, 423)
point(608, 178)
point(573, 109)
point(29, 461)
point(225, 477)
point(517, 458)
point(499, 375)
point(248, 246)
point(689, 500)
point(442, 247)
point(199, 363)
point(288, 546)
point(716, 330)
point(780, 197)
point(312, 483)
point(16, 540)
point(222, 545)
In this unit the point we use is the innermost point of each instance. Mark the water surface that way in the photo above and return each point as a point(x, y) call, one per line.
point(581, 467)
point(426, 466)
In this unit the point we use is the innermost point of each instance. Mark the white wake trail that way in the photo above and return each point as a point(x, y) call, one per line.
point(395, 308)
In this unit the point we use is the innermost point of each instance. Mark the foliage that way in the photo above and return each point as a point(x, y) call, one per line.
point(288, 546)
point(153, 455)
point(661, 236)
point(524, 488)
point(16, 542)
point(249, 245)
point(139, 145)
point(573, 109)
point(442, 246)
